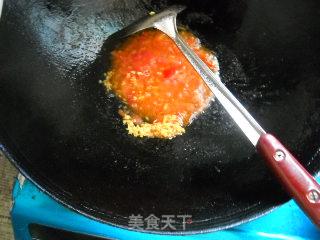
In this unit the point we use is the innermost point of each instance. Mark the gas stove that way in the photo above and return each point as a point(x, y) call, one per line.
point(35, 215)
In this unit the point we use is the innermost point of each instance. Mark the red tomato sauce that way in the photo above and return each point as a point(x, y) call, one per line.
point(154, 79)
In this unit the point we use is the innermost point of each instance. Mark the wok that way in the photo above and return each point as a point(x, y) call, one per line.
point(62, 130)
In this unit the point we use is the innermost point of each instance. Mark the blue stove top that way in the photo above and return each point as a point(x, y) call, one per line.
point(33, 209)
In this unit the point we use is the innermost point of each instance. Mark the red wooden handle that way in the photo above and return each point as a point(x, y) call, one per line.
point(300, 184)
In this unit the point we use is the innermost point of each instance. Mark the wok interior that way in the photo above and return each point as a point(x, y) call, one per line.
point(63, 130)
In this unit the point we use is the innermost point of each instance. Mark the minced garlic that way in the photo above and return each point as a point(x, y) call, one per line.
point(169, 128)
point(107, 82)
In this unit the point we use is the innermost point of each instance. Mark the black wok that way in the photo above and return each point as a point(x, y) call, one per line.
point(62, 130)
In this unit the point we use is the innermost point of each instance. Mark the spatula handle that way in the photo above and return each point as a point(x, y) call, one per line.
point(300, 184)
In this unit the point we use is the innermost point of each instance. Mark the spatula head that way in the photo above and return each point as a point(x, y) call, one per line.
point(147, 21)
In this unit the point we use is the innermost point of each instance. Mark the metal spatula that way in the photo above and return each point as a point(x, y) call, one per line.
point(296, 180)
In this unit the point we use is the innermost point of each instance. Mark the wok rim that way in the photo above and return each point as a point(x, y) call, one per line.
point(248, 218)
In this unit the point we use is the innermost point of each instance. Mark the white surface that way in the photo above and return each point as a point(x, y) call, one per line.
point(1, 3)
